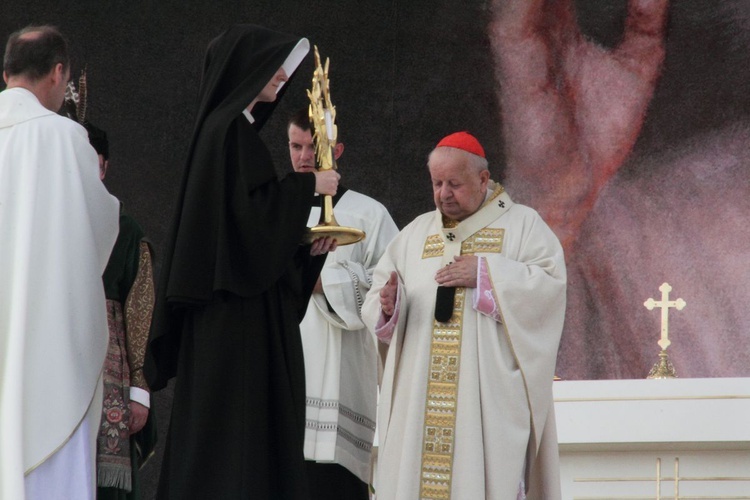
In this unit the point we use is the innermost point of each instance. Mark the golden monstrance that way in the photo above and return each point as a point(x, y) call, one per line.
point(322, 118)
point(663, 368)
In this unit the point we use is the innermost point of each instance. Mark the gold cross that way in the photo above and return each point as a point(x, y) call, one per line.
point(665, 304)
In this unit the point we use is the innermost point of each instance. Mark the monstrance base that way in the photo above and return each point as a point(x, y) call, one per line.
point(342, 234)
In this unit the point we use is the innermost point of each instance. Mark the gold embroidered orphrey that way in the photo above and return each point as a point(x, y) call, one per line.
point(442, 383)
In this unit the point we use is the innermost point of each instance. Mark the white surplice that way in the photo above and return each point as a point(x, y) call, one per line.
point(58, 224)
point(504, 423)
point(340, 355)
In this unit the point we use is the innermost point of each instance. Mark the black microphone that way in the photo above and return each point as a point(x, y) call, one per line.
point(444, 303)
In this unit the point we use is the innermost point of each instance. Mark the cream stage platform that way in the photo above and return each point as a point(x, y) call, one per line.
point(654, 439)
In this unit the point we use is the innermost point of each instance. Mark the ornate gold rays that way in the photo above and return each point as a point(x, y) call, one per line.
point(323, 118)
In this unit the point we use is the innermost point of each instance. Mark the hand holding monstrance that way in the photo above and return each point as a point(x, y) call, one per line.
point(322, 118)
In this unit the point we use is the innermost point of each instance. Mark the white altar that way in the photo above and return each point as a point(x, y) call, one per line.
point(654, 439)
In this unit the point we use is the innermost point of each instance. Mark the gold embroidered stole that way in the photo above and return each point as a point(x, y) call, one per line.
point(468, 237)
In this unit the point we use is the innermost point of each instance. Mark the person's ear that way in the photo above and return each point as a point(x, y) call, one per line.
point(5, 77)
point(338, 150)
point(58, 73)
point(484, 177)
point(103, 166)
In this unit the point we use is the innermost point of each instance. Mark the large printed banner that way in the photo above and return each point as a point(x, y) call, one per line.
point(625, 123)
point(637, 154)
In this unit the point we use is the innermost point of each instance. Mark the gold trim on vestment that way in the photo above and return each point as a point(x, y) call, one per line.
point(433, 246)
point(487, 240)
point(139, 307)
point(442, 383)
point(441, 405)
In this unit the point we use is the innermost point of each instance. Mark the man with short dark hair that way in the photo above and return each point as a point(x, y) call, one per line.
point(340, 356)
point(57, 227)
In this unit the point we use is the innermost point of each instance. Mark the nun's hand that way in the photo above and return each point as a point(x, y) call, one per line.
point(327, 182)
point(323, 245)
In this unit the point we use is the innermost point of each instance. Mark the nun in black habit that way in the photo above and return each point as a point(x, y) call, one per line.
point(234, 286)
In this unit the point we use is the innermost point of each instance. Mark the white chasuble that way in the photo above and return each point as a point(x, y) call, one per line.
point(471, 440)
point(58, 224)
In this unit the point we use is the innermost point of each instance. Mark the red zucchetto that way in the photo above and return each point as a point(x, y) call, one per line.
point(463, 140)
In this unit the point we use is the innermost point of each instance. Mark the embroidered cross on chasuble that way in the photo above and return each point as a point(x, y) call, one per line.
point(468, 237)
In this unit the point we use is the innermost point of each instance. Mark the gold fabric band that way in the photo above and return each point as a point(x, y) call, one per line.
point(442, 383)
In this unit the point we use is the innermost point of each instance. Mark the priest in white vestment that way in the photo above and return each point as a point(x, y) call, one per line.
point(469, 300)
point(341, 372)
point(58, 224)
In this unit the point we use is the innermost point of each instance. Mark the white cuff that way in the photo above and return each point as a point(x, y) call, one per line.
point(140, 396)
